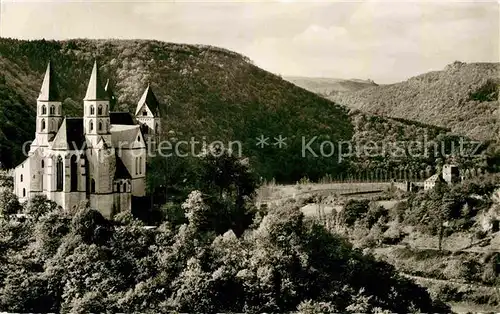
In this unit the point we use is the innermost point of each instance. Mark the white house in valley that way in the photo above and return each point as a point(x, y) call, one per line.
point(100, 157)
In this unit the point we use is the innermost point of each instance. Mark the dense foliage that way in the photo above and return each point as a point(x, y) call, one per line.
point(78, 263)
point(223, 256)
point(462, 97)
point(390, 148)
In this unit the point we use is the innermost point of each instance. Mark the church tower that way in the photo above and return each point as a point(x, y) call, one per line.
point(100, 151)
point(148, 114)
point(96, 123)
point(49, 111)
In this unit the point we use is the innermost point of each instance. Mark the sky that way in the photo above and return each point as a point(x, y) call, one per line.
point(379, 40)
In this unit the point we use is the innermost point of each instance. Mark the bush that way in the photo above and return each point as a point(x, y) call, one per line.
point(9, 203)
point(353, 211)
point(394, 234)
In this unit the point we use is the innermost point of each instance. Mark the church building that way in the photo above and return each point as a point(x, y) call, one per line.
point(100, 157)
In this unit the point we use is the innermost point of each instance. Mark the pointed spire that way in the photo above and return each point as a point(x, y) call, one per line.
point(49, 91)
point(95, 91)
point(148, 98)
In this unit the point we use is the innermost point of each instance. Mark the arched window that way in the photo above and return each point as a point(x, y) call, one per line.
point(73, 173)
point(91, 126)
point(91, 109)
point(44, 109)
point(100, 126)
point(21, 178)
point(52, 110)
point(118, 187)
point(43, 163)
point(43, 125)
point(144, 112)
point(138, 138)
point(140, 165)
point(99, 110)
point(125, 187)
point(92, 186)
point(59, 174)
point(156, 128)
point(136, 165)
point(24, 192)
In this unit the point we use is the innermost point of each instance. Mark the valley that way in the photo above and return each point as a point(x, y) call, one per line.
point(456, 273)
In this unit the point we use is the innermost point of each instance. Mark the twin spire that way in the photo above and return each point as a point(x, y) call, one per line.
point(49, 91)
point(95, 90)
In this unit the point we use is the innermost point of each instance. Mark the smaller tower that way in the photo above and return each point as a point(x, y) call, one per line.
point(49, 111)
point(96, 123)
point(148, 114)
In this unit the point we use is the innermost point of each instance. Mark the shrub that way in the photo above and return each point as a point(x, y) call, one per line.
point(9, 203)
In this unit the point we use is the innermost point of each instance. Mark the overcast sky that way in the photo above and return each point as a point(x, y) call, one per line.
point(383, 41)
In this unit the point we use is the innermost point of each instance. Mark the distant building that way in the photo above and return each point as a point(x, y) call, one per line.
point(405, 186)
point(451, 174)
point(431, 182)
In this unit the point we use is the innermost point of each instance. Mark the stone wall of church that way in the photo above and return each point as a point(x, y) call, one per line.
point(122, 197)
point(57, 197)
point(72, 199)
point(36, 172)
point(135, 161)
point(105, 170)
point(123, 202)
point(104, 203)
point(22, 180)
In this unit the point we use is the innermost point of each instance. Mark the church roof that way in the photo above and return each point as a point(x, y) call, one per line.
point(121, 118)
point(148, 98)
point(49, 91)
point(435, 178)
point(95, 91)
point(70, 135)
point(125, 136)
point(121, 171)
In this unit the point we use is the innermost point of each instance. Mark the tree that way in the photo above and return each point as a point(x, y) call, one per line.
point(439, 209)
point(354, 210)
point(39, 205)
point(9, 203)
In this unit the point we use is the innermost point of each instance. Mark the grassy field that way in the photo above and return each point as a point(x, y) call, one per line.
point(273, 192)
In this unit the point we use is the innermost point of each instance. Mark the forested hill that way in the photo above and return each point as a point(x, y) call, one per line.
point(462, 97)
point(325, 86)
point(203, 91)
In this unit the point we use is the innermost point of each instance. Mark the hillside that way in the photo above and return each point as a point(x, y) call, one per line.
point(462, 97)
point(329, 86)
point(206, 93)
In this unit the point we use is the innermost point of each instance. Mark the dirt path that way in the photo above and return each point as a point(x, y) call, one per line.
point(447, 281)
